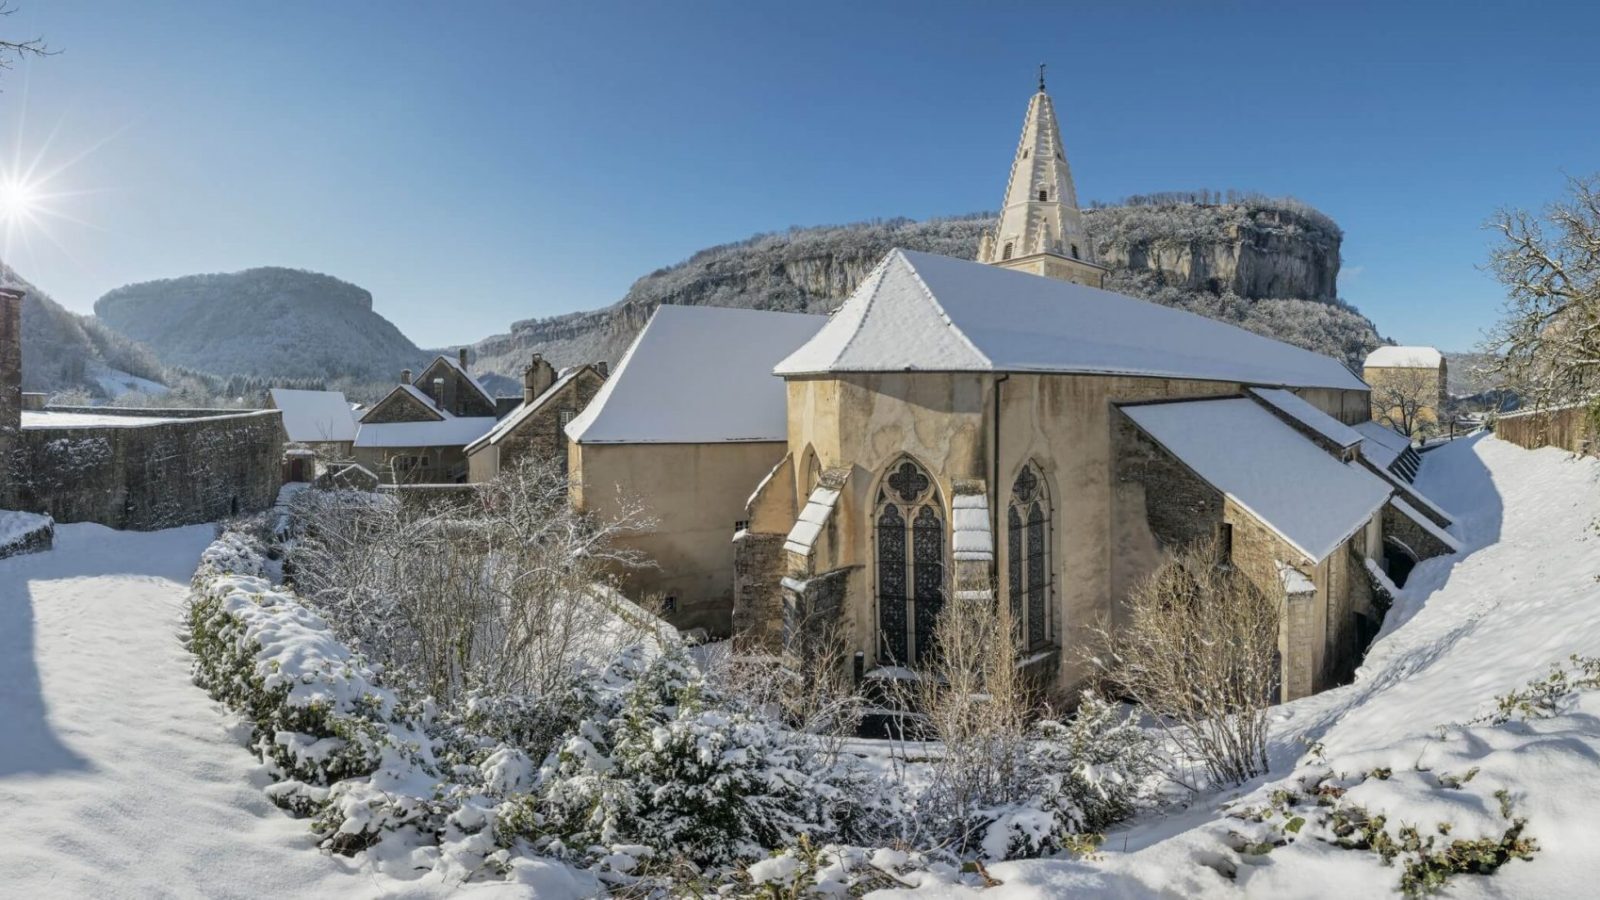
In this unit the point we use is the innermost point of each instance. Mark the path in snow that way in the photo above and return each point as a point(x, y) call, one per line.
point(116, 776)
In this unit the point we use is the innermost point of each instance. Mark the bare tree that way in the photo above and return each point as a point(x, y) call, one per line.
point(1407, 400)
point(11, 51)
point(1198, 653)
point(1547, 346)
point(502, 593)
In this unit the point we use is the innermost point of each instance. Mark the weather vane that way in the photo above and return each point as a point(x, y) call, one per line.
point(1041, 78)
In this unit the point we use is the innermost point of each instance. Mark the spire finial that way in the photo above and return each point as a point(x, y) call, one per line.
point(1041, 78)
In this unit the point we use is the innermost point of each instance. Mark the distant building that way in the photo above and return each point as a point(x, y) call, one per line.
point(1409, 387)
point(537, 426)
point(418, 433)
point(322, 421)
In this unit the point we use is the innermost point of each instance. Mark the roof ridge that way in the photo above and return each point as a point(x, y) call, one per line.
point(880, 271)
point(943, 314)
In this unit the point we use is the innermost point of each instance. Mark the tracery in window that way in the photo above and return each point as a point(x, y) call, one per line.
point(910, 567)
point(1028, 559)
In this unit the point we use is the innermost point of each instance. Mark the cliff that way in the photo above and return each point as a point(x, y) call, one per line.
point(1267, 265)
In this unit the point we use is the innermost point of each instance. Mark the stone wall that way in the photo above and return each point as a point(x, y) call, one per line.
point(1179, 507)
point(757, 576)
point(1399, 526)
point(10, 370)
point(148, 476)
point(541, 434)
point(1571, 428)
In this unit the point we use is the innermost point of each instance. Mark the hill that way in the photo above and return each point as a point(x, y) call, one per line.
point(267, 322)
point(63, 350)
point(1267, 265)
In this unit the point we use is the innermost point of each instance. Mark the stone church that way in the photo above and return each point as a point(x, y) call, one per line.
point(1008, 431)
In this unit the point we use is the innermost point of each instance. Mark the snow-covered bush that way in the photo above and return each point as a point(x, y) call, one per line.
point(664, 763)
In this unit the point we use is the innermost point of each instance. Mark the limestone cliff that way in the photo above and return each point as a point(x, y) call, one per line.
point(1270, 266)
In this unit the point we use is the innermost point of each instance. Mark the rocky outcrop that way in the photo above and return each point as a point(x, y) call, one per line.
point(1270, 266)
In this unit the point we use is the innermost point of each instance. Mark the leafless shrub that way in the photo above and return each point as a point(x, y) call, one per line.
point(500, 593)
point(810, 687)
point(1198, 653)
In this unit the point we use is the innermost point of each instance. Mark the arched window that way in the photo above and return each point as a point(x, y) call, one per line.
point(910, 541)
point(1006, 254)
point(1028, 572)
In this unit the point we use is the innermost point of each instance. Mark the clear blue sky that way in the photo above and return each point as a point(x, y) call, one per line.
point(476, 163)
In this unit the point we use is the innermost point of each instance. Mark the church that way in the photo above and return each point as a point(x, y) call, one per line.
point(1007, 431)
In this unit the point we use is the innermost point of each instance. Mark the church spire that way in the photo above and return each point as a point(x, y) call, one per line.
point(1040, 229)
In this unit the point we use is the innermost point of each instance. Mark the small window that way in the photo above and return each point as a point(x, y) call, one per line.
point(1024, 154)
point(1044, 195)
point(741, 525)
point(669, 604)
point(1224, 543)
point(1075, 251)
point(1006, 254)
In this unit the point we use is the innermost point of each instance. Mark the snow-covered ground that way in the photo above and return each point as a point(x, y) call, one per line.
point(116, 776)
point(1522, 595)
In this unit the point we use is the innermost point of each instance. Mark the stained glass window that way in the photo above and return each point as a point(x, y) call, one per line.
point(1029, 576)
point(910, 585)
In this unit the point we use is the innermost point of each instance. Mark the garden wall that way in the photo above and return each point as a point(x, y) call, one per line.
point(1571, 428)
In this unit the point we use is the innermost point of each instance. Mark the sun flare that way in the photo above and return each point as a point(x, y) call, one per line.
point(18, 198)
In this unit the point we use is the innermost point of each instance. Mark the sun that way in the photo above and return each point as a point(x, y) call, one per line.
point(19, 199)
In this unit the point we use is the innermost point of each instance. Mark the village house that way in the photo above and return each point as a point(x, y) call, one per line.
point(537, 427)
point(1410, 386)
point(684, 429)
point(318, 425)
point(419, 431)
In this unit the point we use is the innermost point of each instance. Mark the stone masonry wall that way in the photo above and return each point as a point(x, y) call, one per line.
point(1399, 526)
point(757, 592)
point(10, 372)
point(149, 476)
point(540, 434)
point(1179, 507)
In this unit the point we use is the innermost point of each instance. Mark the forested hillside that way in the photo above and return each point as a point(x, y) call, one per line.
point(61, 349)
point(1267, 265)
point(269, 322)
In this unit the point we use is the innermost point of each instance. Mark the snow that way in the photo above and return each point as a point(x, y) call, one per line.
point(51, 419)
point(1465, 629)
point(1382, 445)
point(523, 411)
point(1295, 581)
point(1292, 405)
point(452, 431)
point(923, 312)
point(17, 526)
point(695, 375)
point(314, 416)
point(477, 385)
point(115, 382)
point(1426, 524)
point(970, 534)
point(1293, 486)
point(809, 524)
point(1404, 358)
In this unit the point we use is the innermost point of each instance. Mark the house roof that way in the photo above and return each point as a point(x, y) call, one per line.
point(923, 312)
point(698, 374)
point(1380, 444)
point(517, 416)
point(1405, 358)
point(411, 391)
point(454, 363)
point(1295, 407)
point(313, 416)
point(451, 431)
point(1306, 495)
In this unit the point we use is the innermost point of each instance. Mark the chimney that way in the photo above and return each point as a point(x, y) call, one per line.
point(405, 376)
point(537, 378)
point(10, 367)
point(461, 357)
point(604, 368)
point(438, 392)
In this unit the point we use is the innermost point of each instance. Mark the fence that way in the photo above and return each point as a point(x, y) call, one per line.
point(1571, 428)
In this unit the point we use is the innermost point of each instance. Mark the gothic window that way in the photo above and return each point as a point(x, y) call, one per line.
point(910, 544)
point(1044, 195)
point(1028, 572)
point(1007, 253)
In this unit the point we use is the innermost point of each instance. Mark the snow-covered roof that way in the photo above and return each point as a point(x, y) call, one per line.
point(698, 374)
point(452, 431)
point(312, 416)
point(523, 411)
point(1296, 407)
point(411, 390)
point(923, 312)
point(1427, 524)
point(1404, 358)
point(970, 531)
point(1294, 487)
point(1381, 444)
